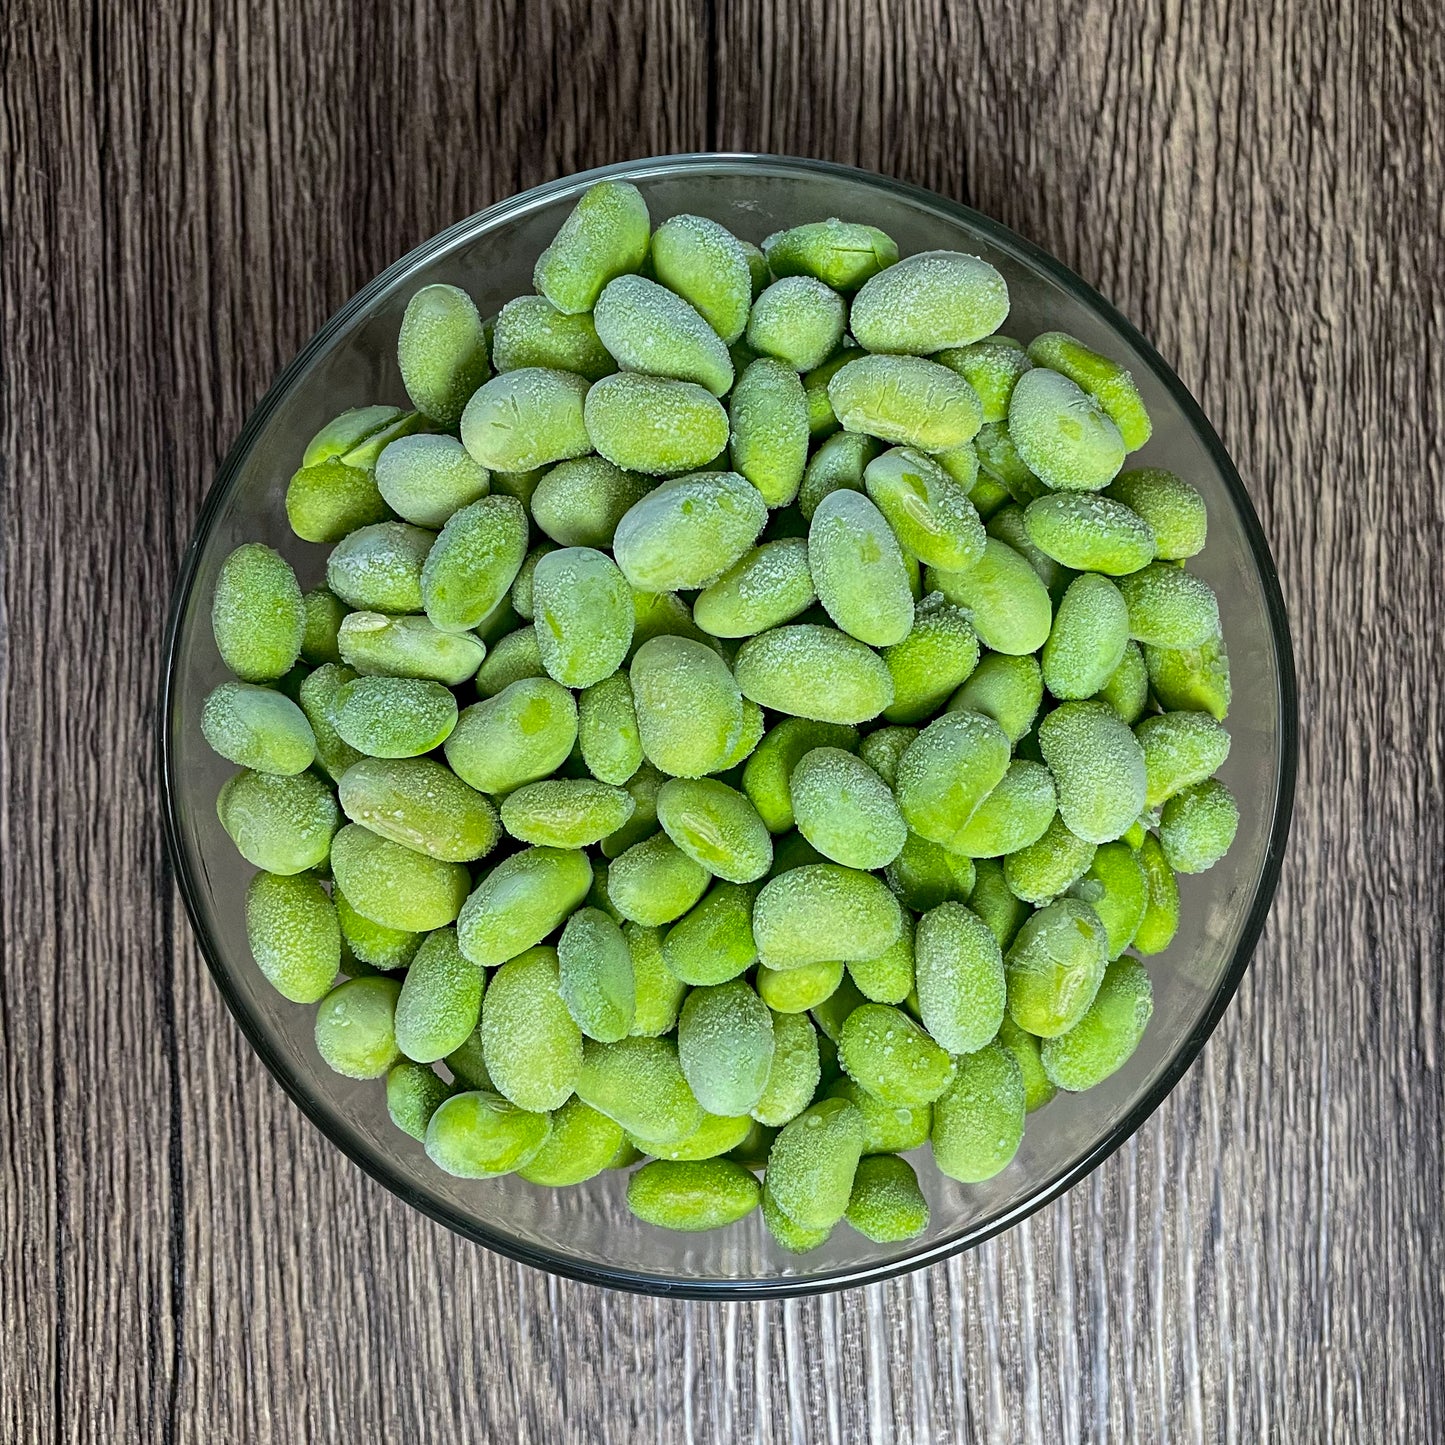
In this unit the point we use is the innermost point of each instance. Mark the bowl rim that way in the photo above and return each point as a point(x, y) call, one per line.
point(783, 1286)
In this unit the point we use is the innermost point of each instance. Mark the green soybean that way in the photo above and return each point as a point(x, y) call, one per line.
point(323, 613)
point(882, 749)
point(906, 400)
point(442, 352)
point(767, 776)
point(991, 367)
point(1051, 864)
point(655, 882)
point(607, 731)
point(379, 568)
point(581, 1145)
point(929, 302)
point(522, 734)
point(1191, 679)
point(1090, 533)
point(642, 787)
point(845, 810)
point(394, 885)
point(692, 1195)
point(689, 707)
point(258, 728)
point(768, 415)
point(1039, 1089)
point(394, 717)
point(1169, 607)
point(376, 644)
point(1106, 381)
point(1054, 966)
point(938, 655)
point(655, 425)
point(708, 266)
point(1127, 690)
point(889, 977)
point(1116, 888)
point(960, 973)
point(530, 331)
point(1104, 1040)
point(257, 615)
point(1197, 826)
point(604, 235)
point(798, 320)
point(947, 771)
point(823, 912)
point(1087, 640)
point(886, 1204)
point(1160, 922)
point(928, 511)
point(718, 1134)
point(527, 418)
point(812, 1163)
point(924, 875)
point(793, 1070)
point(597, 982)
point(821, 420)
point(479, 1135)
point(1062, 435)
point(858, 569)
point(1169, 507)
point(326, 501)
point(371, 946)
point(792, 1237)
point(583, 615)
point(421, 804)
point(566, 812)
point(814, 672)
point(294, 935)
point(1004, 598)
point(689, 531)
point(888, 1128)
point(841, 254)
point(838, 463)
point(473, 563)
point(281, 824)
point(513, 658)
point(652, 330)
point(979, 1123)
point(885, 1051)
point(639, 1083)
point(355, 1033)
point(725, 1046)
point(766, 587)
point(713, 942)
point(521, 901)
point(716, 826)
point(796, 990)
point(996, 903)
point(414, 1093)
point(350, 432)
point(531, 1046)
point(1098, 769)
point(659, 991)
point(1180, 749)
point(440, 1000)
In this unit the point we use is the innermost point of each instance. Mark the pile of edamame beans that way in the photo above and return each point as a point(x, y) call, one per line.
point(752, 723)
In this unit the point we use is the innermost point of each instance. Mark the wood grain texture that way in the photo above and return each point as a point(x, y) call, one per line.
point(187, 191)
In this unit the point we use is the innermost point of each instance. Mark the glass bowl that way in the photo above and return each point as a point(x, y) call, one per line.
point(587, 1232)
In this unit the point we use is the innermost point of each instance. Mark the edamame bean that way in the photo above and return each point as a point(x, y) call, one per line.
point(323, 613)
point(1090, 533)
point(793, 1070)
point(1098, 769)
point(351, 432)
point(1086, 643)
point(1127, 690)
point(1197, 826)
point(882, 749)
point(442, 352)
point(999, 459)
point(798, 320)
point(530, 331)
point(796, 990)
point(466, 1065)
point(597, 982)
point(889, 977)
point(1115, 887)
point(522, 734)
point(821, 420)
point(823, 912)
point(258, 728)
point(654, 881)
point(689, 708)
point(642, 787)
point(581, 1145)
point(929, 302)
point(886, 1204)
point(991, 367)
point(845, 810)
point(995, 902)
point(1054, 966)
point(414, 1093)
point(937, 656)
point(1104, 1040)
point(566, 812)
point(766, 587)
point(326, 501)
point(1004, 598)
point(1169, 507)
point(960, 972)
point(394, 717)
point(419, 803)
point(905, 400)
point(1191, 679)
point(979, 1123)
point(527, 418)
point(607, 731)
point(725, 1046)
point(1180, 749)
point(1062, 435)
point(640, 1084)
point(1007, 524)
point(925, 875)
point(440, 1000)
point(257, 614)
point(354, 1027)
point(718, 1134)
point(579, 503)
point(1168, 607)
point(692, 1195)
point(605, 235)
point(1050, 865)
point(947, 771)
point(380, 568)
point(1009, 689)
point(768, 415)
point(479, 1135)
point(519, 485)
point(1039, 1089)
point(394, 885)
point(655, 425)
point(792, 1237)
point(1160, 922)
point(378, 645)
point(428, 479)
point(713, 942)
point(531, 1046)
point(814, 672)
point(513, 658)
point(689, 531)
point(841, 254)
point(882, 1049)
point(928, 511)
point(716, 826)
point(767, 776)
point(583, 615)
point(520, 902)
point(367, 946)
point(708, 266)
point(470, 568)
point(812, 1163)
point(280, 824)
point(1106, 381)
point(652, 330)
point(858, 570)
point(840, 462)
point(294, 935)
point(659, 991)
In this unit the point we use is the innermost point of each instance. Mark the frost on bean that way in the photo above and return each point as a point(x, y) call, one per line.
point(294, 935)
point(1040, 871)
point(1086, 643)
point(530, 331)
point(708, 266)
point(581, 1145)
point(326, 501)
point(1004, 598)
point(766, 778)
point(725, 1046)
point(1105, 1038)
point(692, 1195)
point(1063, 436)
point(652, 330)
point(1054, 966)
point(566, 812)
point(394, 885)
point(607, 730)
point(421, 804)
point(258, 728)
point(882, 749)
point(716, 826)
point(368, 946)
point(713, 941)
point(1127, 690)
point(1039, 1089)
point(839, 462)
point(440, 1000)
point(597, 982)
point(522, 734)
point(812, 1163)
point(960, 978)
point(798, 320)
point(582, 613)
point(394, 717)
point(654, 882)
point(1171, 508)
point(355, 1028)
point(886, 1204)
point(947, 771)
point(991, 367)
point(654, 424)
point(640, 1084)
point(527, 418)
point(471, 567)
point(531, 1046)
point(1191, 679)
point(938, 655)
point(923, 875)
point(841, 254)
point(979, 1123)
point(824, 911)
point(414, 1093)
point(887, 1053)
point(688, 705)
point(1197, 826)
point(281, 824)
point(480, 1135)
point(513, 658)
point(1180, 749)
point(1098, 769)
point(374, 643)
point(858, 569)
point(996, 903)
point(927, 509)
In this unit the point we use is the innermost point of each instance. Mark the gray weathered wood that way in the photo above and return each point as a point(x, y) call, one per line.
point(186, 192)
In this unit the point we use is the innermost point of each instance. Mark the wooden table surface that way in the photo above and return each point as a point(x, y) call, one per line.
point(188, 190)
